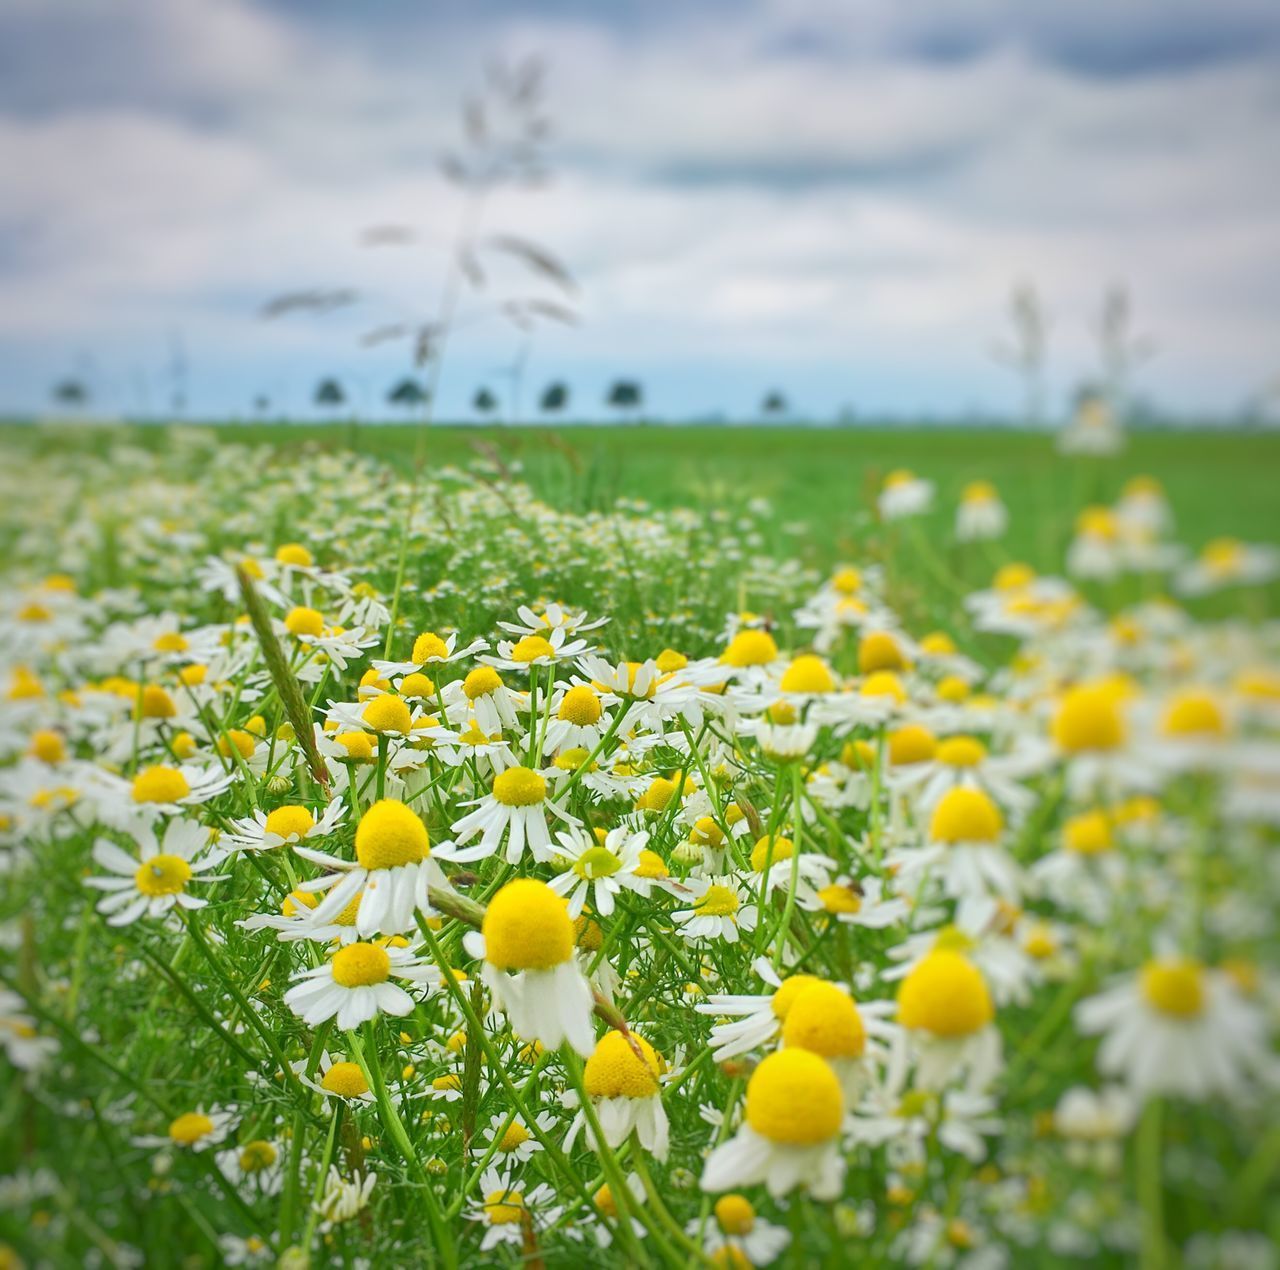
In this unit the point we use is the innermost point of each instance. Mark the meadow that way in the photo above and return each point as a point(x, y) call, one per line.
point(637, 846)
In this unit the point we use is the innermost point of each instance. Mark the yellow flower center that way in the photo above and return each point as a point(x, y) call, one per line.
point(911, 744)
point(48, 746)
point(597, 862)
point(361, 965)
point(825, 1020)
point(519, 787)
point(427, 646)
point(750, 648)
point(964, 814)
point(938, 644)
point(160, 784)
point(1194, 713)
point(770, 851)
point(961, 751)
point(514, 1138)
point(304, 621)
point(286, 822)
point(884, 683)
point(794, 1098)
point(657, 796)
point(256, 1156)
point(719, 901)
point(580, 706)
point(1039, 942)
point(162, 875)
point(788, 990)
point(1014, 577)
point(386, 713)
point(1089, 833)
point(450, 1081)
point(847, 581)
point(1223, 556)
point(531, 647)
point(879, 650)
point(189, 1128)
point(527, 927)
point(615, 1071)
point(1174, 985)
point(391, 834)
point(839, 898)
point(669, 661)
point(481, 682)
point(504, 1208)
point(978, 492)
point(416, 686)
point(945, 994)
point(358, 745)
point(651, 865)
point(807, 674)
point(346, 1080)
point(294, 553)
point(155, 703)
point(735, 1214)
point(1089, 719)
point(244, 743)
point(604, 1201)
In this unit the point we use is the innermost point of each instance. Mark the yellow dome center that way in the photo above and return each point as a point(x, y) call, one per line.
point(346, 1080)
point(788, 990)
point(945, 994)
point(294, 553)
point(1194, 713)
point(304, 621)
point(481, 682)
point(735, 1214)
point(290, 821)
point(807, 674)
point(189, 1128)
point(719, 901)
point(1089, 833)
point(515, 1137)
point(880, 650)
point(160, 784)
point(256, 1156)
point(615, 1071)
point(825, 1020)
point(770, 850)
point(504, 1208)
point(961, 751)
point(391, 834)
point(750, 648)
point(162, 875)
point(911, 744)
point(1174, 985)
point(427, 646)
point(580, 706)
point(597, 862)
point(1088, 718)
point(386, 713)
point(519, 787)
point(794, 1098)
point(527, 927)
point(964, 814)
point(361, 965)
point(531, 647)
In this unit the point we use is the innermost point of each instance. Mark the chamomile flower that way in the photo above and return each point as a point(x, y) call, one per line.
point(1227, 562)
point(354, 985)
point(152, 883)
point(863, 902)
point(981, 516)
point(484, 696)
point(756, 1020)
point(554, 617)
point(945, 1007)
point(161, 789)
point(506, 1210)
point(392, 872)
point(599, 870)
point(335, 1078)
point(515, 810)
point(825, 1020)
point(791, 1135)
point(527, 942)
point(257, 1166)
point(531, 651)
point(510, 1139)
point(23, 1045)
point(198, 1130)
point(285, 826)
point(1178, 1027)
point(430, 649)
point(341, 1200)
point(904, 495)
point(738, 1231)
point(578, 720)
point(718, 910)
point(621, 1078)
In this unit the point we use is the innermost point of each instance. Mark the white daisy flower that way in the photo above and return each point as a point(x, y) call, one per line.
point(718, 911)
point(155, 880)
point(354, 985)
point(515, 810)
point(600, 870)
point(285, 826)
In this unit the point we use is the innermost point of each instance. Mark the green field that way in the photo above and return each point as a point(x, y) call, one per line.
point(822, 478)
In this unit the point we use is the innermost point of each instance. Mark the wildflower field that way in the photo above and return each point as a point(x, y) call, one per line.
point(638, 847)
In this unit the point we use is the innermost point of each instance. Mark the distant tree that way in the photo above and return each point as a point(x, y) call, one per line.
point(554, 398)
point(408, 395)
point(261, 403)
point(625, 396)
point(70, 392)
point(329, 393)
point(774, 404)
point(484, 402)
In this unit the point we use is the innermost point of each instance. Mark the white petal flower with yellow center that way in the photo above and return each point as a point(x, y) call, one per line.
point(791, 1134)
point(756, 1018)
point(430, 649)
point(156, 880)
point(739, 1236)
point(534, 650)
point(506, 1210)
point(515, 810)
point(392, 874)
point(354, 985)
point(718, 910)
point(600, 870)
point(256, 1166)
point(285, 826)
point(622, 1078)
point(1179, 1028)
point(527, 942)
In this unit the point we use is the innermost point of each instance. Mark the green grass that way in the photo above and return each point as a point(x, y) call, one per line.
point(825, 479)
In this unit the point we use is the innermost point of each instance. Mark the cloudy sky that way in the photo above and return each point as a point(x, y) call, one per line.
point(831, 197)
